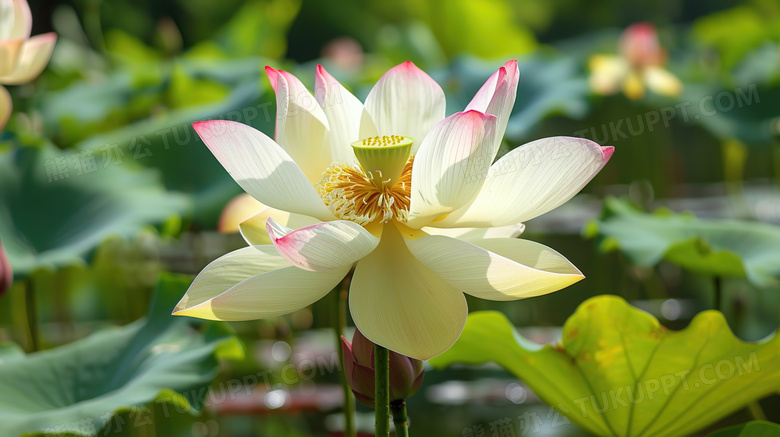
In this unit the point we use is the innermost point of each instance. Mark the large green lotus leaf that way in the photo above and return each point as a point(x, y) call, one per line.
point(57, 206)
point(76, 389)
point(714, 247)
point(619, 372)
point(756, 428)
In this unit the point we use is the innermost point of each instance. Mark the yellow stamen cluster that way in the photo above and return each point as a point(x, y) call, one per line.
point(351, 195)
point(392, 140)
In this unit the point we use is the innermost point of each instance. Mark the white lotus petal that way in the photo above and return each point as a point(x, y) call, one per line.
point(497, 97)
point(34, 56)
point(275, 291)
point(530, 181)
point(15, 19)
point(255, 230)
point(10, 51)
point(496, 269)
point(407, 102)
point(451, 165)
point(323, 246)
point(398, 303)
point(262, 168)
point(478, 234)
point(7, 18)
point(301, 125)
point(236, 211)
point(344, 112)
point(229, 270)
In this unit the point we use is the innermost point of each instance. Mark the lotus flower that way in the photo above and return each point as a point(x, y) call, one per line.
point(403, 194)
point(639, 64)
point(21, 58)
point(6, 272)
point(406, 374)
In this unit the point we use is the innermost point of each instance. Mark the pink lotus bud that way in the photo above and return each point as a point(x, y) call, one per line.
point(6, 272)
point(639, 44)
point(406, 374)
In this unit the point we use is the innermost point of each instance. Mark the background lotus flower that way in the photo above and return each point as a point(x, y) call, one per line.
point(6, 272)
point(406, 374)
point(407, 196)
point(22, 58)
point(639, 64)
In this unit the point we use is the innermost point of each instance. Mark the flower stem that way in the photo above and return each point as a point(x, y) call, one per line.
point(756, 411)
point(718, 285)
point(32, 315)
point(339, 322)
point(398, 408)
point(382, 394)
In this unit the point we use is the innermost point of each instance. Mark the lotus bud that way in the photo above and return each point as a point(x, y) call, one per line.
point(639, 44)
point(6, 272)
point(406, 374)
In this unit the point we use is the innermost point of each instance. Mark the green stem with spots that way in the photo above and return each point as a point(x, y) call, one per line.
point(398, 409)
point(382, 391)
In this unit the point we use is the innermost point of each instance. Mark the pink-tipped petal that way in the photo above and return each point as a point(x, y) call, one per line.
point(530, 181)
point(344, 112)
point(255, 228)
point(451, 165)
point(273, 76)
point(262, 168)
point(497, 97)
point(407, 102)
point(34, 56)
point(301, 126)
point(323, 246)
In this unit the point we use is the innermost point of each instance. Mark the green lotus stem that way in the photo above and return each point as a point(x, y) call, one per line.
point(756, 411)
point(339, 322)
point(398, 408)
point(718, 286)
point(382, 391)
point(32, 315)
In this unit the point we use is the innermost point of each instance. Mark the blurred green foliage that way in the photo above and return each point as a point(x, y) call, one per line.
point(128, 78)
point(712, 247)
point(83, 388)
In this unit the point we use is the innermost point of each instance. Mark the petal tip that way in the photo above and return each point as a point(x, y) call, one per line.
point(273, 76)
point(478, 115)
point(606, 152)
point(47, 37)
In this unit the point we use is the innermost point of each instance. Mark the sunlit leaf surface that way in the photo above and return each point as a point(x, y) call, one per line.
point(619, 372)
